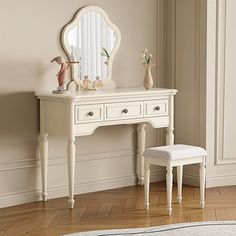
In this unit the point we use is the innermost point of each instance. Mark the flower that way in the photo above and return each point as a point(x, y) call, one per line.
point(146, 57)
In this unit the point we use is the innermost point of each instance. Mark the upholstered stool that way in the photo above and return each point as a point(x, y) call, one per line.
point(171, 156)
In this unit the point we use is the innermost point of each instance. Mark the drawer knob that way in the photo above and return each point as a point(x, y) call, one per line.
point(125, 110)
point(157, 108)
point(90, 113)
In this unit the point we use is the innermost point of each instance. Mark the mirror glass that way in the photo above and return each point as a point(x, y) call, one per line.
point(91, 40)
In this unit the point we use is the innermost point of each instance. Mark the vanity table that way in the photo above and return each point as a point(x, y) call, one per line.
point(92, 40)
point(80, 114)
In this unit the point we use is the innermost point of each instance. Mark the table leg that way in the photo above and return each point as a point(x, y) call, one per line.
point(170, 128)
point(146, 186)
point(141, 147)
point(202, 172)
point(71, 170)
point(43, 150)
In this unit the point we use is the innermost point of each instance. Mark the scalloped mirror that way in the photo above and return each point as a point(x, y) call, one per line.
point(92, 40)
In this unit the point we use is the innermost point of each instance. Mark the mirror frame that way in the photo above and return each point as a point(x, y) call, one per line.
point(108, 82)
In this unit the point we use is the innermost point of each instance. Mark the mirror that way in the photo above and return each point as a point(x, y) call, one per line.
point(91, 40)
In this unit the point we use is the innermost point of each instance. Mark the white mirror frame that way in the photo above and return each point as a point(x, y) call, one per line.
point(108, 82)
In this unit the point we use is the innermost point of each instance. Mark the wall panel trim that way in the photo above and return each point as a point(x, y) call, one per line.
point(17, 198)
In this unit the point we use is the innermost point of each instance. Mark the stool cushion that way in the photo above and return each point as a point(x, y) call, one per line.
point(175, 152)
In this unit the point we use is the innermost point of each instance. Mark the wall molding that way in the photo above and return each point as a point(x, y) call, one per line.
point(15, 198)
point(160, 134)
point(221, 15)
point(217, 181)
point(211, 181)
point(58, 160)
point(62, 191)
point(197, 72)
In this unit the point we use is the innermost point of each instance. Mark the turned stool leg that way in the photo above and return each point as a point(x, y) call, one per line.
point(202, 173)
point(179, 182)
point(146, 185)
point(169, 182)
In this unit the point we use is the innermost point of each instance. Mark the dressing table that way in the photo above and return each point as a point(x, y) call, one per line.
point(79, 113)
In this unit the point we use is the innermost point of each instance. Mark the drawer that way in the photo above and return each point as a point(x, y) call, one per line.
point(119, 111)
point(156, 108)
point(88, 113)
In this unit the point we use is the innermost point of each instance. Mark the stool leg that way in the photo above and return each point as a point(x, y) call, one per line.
point(179, 182)
point(169, 182)
point(202, 173)
point(146, 185)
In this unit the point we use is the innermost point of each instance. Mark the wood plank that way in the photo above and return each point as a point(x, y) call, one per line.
point(118, 208)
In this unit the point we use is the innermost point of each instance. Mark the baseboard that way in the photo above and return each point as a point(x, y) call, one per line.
point(62, 191)
point(217, 181)
point(211, 181)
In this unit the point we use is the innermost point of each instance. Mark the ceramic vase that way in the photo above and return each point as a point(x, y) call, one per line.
point(148, 81)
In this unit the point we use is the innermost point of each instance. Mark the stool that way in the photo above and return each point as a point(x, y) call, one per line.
point(171, 156)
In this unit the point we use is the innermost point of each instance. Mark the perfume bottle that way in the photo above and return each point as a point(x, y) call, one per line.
point(97, 83)
point(87, 84)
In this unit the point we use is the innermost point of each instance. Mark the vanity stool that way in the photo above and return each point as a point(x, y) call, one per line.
point(171, 156)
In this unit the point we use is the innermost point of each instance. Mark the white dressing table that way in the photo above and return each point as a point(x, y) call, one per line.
point(81, 113)
point(91, 40)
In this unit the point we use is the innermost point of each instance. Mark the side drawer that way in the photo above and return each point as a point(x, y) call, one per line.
point(156, 108)
point(88, 113)
point(120, 111)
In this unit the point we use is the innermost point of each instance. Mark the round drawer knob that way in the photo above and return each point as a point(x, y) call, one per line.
point(125, 110)
point(157, 108)
point(90, 113)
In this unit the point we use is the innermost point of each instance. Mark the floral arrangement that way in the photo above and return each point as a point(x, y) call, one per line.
point(104, 53)
point(146, 59)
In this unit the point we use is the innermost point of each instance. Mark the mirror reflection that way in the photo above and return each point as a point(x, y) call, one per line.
point(91, 42)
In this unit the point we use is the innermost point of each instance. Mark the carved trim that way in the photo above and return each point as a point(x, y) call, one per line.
point(197, 49)
point(220, 158)
point(59, 160)
point(61, 191)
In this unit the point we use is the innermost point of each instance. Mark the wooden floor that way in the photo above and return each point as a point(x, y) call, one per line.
point(119, 208)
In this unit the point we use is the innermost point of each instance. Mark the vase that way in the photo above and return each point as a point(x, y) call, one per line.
point(148, 81)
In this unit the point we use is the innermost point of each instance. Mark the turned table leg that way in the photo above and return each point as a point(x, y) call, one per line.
point(43, 150)
point(71, 170)
point(170, 128)
point(71, 154)
point(141, 147)
point(202, 173)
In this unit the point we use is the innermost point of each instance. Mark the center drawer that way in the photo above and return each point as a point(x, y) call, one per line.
point(119, 111)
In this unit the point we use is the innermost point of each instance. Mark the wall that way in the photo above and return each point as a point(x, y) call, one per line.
point(184, 69)
point(30, 33)
point(221, 97)
point(200, 63)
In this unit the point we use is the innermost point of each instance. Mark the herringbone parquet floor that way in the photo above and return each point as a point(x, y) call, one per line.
point(119, 208)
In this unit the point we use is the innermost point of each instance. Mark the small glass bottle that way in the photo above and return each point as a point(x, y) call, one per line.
point(87, 85)
point(97, 83)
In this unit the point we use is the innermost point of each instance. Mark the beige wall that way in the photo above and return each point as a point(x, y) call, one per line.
point(200, 63)
point(185, 57)
point(30, 33)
